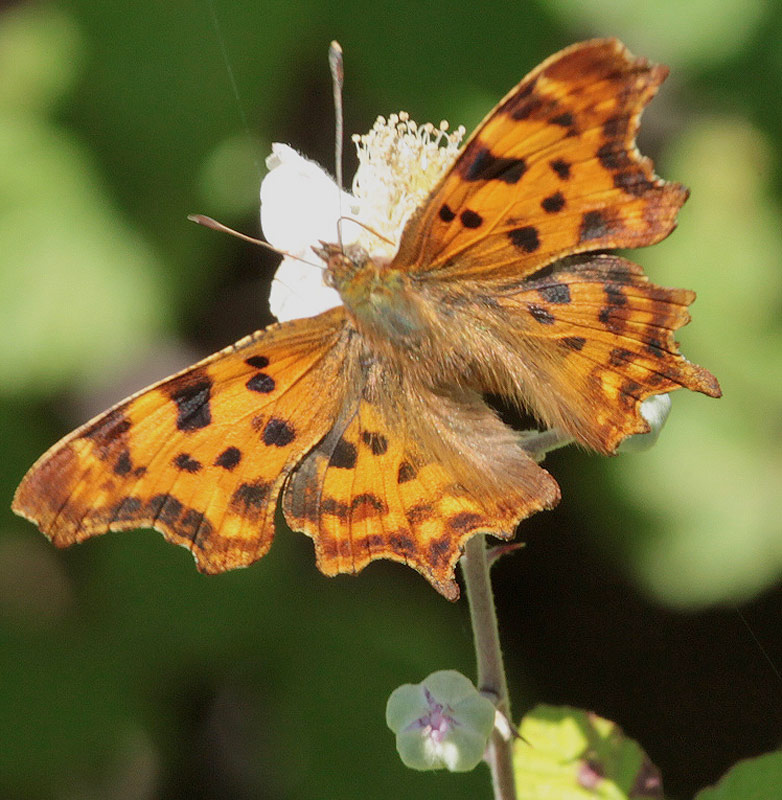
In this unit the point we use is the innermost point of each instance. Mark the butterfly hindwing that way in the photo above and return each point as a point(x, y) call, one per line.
point(553, 170)
point(366, 493)
point(599, 336)
point(200, 456)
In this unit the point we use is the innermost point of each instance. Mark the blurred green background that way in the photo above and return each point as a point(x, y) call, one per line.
point(651, 595)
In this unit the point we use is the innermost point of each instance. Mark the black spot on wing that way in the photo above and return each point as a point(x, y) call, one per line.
point(106, 431)
point(520, 97)
point(419, 513)
point(574, 342)
point(401, 543)
point(195, 526)
point(439, 550)
point(612, 321)
point(483, 165)
point(465, 521)
point(123, 465)
point(250, 497)
point(334, 508)
point(261, 383)
point(634, 182)
point(594, 225)
point(540, 314)
point(446, 214)
point(364, 506)
point(561, 168)
point(278, 432)
point(619, 357)
point(613, 155)
point(614, 295)
point(192, 403)
point(186, 463)
point(616, 127)
point(563, 120)
point(229, 458)
point(376, 442)
point(164, 508)
point(555, 293)
point(471, 219)
point(655, 348)
point(405, 473)
point(344, 455)
point(524, 107)
point(127, 508)
point(525, 239)
point(629, 392)
point(258, 362)
point(553, 203)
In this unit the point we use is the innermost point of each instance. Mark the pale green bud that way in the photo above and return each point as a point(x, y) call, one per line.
point(441, 723)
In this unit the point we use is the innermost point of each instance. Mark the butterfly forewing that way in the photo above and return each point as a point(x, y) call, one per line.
point(553, 170)
point(200, 456)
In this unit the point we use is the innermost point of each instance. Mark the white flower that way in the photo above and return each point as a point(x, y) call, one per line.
point(399, 164)
point(299, 206)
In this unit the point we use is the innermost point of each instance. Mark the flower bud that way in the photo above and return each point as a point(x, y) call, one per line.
point(654, 410)
point(442, 722)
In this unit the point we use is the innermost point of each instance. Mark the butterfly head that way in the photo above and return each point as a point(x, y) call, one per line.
point(343, 263)
point(378, 299)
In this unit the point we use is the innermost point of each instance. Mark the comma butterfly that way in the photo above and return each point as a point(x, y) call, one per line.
point(369, 418)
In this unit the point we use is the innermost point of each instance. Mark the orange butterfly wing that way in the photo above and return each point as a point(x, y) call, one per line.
point(367, 493)
point(202, 455)
point(553, 170)
point(596, 338)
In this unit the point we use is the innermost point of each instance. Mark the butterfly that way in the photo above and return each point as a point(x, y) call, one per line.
point(368, 420)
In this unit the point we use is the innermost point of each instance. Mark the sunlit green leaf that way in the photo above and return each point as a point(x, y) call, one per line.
point(568, 754)
point(754, 779)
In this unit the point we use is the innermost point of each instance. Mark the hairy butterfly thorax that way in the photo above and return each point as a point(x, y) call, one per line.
point(379, 299)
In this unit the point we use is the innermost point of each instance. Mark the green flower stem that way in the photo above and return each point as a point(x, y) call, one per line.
point(491, 669)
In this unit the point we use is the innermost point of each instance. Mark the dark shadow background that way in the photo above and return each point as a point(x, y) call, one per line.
point(651, 595)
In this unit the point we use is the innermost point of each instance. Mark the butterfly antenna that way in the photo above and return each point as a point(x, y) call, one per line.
point(337, 67)
point(208, 222)
point(366, 228)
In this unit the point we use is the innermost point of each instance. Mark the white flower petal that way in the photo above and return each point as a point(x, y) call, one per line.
point(300, 203)
point(300, 207)
point(442, 722)
point(399, 162)
point(298, 291)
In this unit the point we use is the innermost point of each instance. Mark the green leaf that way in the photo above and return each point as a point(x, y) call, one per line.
point(568, 754)
point(754, 779)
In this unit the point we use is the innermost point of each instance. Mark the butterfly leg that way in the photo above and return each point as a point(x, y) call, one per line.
point(538, 443)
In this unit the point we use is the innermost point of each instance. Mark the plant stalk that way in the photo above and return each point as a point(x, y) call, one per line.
point(491, 668)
